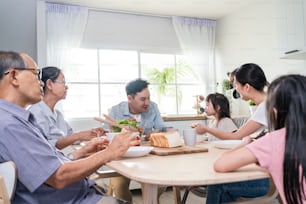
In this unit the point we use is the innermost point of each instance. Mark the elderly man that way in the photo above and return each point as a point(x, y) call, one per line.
point(44, 174)
point(139, 107)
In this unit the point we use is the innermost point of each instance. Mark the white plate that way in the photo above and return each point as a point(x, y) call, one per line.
point(138, 151)
point(226, 144)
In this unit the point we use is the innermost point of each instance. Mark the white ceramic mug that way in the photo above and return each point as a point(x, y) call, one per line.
point(190, 137)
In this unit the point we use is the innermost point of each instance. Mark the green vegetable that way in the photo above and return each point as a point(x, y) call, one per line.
point(252, 103)
point(130, 122)
point(116, 129)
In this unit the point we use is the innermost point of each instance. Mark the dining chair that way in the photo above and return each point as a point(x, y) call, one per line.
point(105, 173)
point(240, 120)
point(4, 197)
point(270, 197)
point(8, 180)
point(200, 191)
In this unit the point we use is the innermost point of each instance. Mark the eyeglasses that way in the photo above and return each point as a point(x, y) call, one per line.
point(35, 71)
point(60, 82)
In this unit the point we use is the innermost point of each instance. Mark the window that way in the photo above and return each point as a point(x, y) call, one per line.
point(97, 78)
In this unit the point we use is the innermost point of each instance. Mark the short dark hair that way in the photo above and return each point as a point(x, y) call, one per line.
point(10, 59)
point(50, 73)
point(135, 86)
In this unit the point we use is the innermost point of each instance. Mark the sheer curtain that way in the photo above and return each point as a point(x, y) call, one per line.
point(65, 27)
point(197, 40)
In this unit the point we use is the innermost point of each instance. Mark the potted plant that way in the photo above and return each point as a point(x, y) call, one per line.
point(166, 76)
point(253, 106)
point(226, 85)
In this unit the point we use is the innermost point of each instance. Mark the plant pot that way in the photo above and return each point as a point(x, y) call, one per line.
point(252, 109)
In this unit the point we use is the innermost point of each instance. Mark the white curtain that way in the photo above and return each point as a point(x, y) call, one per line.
point(197, 40)
point(65, 28)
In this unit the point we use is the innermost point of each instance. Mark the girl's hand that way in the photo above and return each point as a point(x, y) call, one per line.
point(247, 140)
point(200, 128)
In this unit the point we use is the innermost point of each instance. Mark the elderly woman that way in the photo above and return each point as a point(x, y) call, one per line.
point(50, 120)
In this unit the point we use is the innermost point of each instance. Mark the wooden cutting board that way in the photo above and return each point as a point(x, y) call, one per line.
point(178, 150)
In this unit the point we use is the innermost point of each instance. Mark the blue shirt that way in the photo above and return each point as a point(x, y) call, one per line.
point(149, 120)
point(36, 160)
point(53, 124)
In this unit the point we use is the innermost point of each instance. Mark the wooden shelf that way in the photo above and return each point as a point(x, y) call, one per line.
point(184, 118)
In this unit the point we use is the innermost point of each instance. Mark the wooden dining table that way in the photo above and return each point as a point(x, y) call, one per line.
point(192, 169)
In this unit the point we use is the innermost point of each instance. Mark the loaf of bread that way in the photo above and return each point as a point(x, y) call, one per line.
point(166, 139)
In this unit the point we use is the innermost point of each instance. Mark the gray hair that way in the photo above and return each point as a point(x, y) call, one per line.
point(9, 59)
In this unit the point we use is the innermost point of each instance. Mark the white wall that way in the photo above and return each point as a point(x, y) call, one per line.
point(18, 26)
point(252, 35)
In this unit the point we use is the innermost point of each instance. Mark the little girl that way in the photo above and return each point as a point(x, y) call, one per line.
point(217, 105)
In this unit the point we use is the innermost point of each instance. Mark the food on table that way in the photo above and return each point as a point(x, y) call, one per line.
point(166, 139)
point(135, 134)
point(99, 131)
point(193, 125)
point(131, 122)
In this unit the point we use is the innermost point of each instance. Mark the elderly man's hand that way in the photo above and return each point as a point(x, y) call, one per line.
point(90, 134)
point(94, 145)
point(121, 143)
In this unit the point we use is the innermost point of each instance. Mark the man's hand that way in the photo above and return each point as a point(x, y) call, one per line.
point(99, 131)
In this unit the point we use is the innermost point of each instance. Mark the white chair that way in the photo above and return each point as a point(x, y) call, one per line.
point(8, 180)
point(4, 197)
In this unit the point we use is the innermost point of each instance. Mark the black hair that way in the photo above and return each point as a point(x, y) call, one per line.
point(50, 73)
point(9, 59)
point(220, 100)
point(251, 74)
point(135, 86)
point(232, 73)
point(235, 92)
point(286, 107)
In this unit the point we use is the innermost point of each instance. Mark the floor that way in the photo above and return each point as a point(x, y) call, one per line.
point(167, 197)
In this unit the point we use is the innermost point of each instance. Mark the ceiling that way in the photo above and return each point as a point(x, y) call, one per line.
point(210, 9)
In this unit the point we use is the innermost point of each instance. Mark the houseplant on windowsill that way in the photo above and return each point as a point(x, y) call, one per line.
point(253, 106)
point(226, 85)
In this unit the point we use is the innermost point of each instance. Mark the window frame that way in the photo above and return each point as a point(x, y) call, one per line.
point(140, 73)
